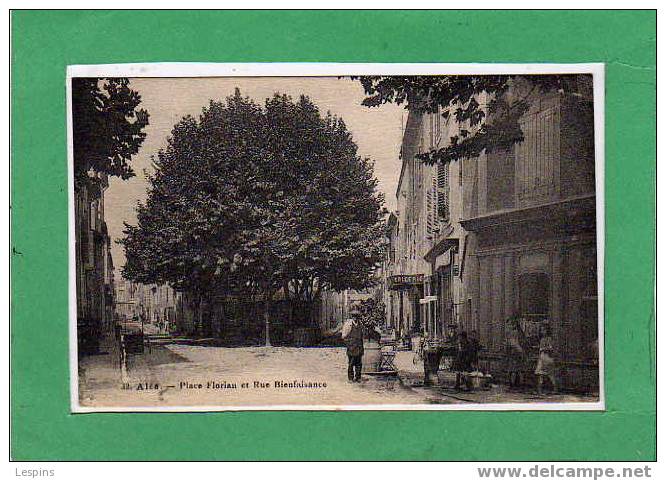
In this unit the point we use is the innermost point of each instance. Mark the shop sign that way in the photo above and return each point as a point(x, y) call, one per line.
point(404, 280)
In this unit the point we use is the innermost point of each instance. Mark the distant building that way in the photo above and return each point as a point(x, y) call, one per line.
point(126, 300)
point(158, 305)
point(335, 307)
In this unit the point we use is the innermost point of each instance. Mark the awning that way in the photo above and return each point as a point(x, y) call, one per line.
point(441, 247)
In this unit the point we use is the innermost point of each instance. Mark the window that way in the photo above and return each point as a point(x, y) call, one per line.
point(445, 299)
point(431, 122)
point(431, 207)
point(537, 156)
point(443, 192)
point(500, 175)
point(93, 214)
point(435, 129)
point(85, 248)
point(535, 296)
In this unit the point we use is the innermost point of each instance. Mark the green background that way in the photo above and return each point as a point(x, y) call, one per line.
point(45, 42)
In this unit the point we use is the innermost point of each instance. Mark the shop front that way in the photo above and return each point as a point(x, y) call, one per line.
point(406, 290)
point(539, 269)
point(441, 289)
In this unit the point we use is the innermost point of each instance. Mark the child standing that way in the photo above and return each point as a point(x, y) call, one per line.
point(545, 368)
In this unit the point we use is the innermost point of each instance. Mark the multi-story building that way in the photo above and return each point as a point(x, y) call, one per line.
point(94, 265)
point(422, 272)
point(444, 302)
point(156, 304)
point(530, 213)
point(510, 233)
point(407, 239)
point(126, 299)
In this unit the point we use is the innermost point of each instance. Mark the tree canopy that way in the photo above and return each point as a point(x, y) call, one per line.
point(251, 199)
point(108, 126)
point(485, 127)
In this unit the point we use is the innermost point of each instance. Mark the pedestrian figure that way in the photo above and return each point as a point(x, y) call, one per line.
point(117, 329)
point(452, 334)
point(432, 356)
point(352, 334)
point(462, 361)
point(474, 348)
point(515, 352)
point(545, 368)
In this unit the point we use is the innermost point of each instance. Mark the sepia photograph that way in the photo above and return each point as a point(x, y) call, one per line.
point(336, 237)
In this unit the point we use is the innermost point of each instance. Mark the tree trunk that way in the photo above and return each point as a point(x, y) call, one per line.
point(199, 329)
point(267, 319)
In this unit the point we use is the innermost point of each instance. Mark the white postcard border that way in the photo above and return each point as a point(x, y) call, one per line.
point(296, 69)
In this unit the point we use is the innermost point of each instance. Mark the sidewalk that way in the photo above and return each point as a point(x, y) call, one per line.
point(411, 371)
point(101, 371)
point(411, 376)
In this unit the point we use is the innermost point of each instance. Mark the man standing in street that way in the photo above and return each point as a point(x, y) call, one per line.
point(352, 334)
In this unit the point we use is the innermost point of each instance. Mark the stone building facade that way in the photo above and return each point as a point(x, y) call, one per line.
point(93, 262)
point(509, 233)
point(424, 289)
point(157, 304)
point(531, 217)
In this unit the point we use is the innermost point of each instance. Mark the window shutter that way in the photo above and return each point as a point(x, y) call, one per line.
point(443, 192)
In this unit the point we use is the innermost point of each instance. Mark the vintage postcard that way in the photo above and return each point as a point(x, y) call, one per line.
point(336, 237)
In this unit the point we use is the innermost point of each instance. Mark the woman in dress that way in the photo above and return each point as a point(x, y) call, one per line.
point(545, 368)
point(515, 352)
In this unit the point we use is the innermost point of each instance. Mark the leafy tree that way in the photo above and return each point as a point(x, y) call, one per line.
point(372, 313)
point(491, 127)
point(188, 230)
point(334, 205)
point(107, 125)
point(318, 213)
point(252, 200)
